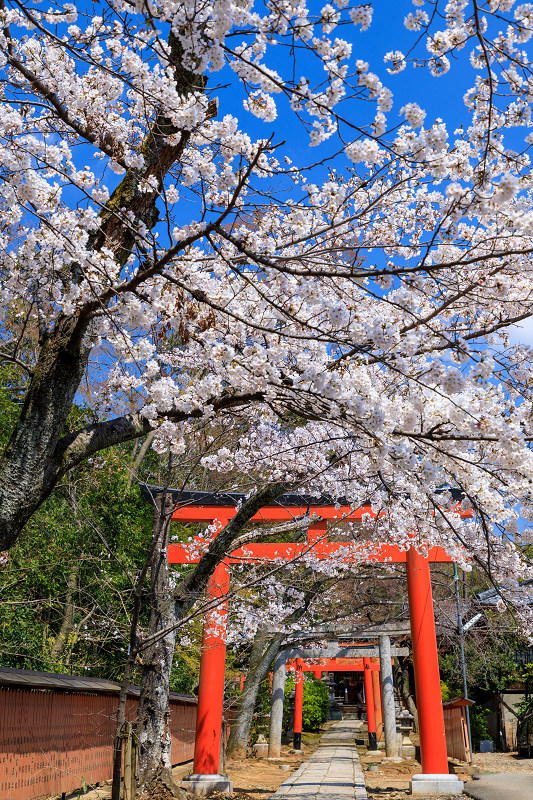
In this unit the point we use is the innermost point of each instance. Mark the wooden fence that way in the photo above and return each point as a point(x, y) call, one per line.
point(457, 744)
point(57, 736)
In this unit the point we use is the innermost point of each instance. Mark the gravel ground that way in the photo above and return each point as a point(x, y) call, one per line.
point(392, 784)
point(503, 762)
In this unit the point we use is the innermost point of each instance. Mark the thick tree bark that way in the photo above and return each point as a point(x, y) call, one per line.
point(38, 454)
point(402, 681)
point(31, 462)
point(162, 513)
point(265, 648)
point(153, 714)
point(168, 608)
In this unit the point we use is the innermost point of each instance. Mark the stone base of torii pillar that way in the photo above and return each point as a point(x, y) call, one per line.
point(207, 784)
point(436, 784)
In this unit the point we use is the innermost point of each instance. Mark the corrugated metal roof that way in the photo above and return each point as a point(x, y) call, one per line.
point(28, 679)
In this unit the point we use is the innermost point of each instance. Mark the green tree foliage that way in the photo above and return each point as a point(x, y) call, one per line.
point(315, 702)
point(478, 725)
point(489, 657)
point(66, 586)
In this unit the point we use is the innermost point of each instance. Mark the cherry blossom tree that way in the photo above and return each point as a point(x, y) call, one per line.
point(356, 310)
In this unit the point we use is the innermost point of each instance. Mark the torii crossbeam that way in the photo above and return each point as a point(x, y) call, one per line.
point(210, 508)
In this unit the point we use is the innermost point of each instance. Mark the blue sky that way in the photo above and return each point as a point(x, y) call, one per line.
point(440, 97)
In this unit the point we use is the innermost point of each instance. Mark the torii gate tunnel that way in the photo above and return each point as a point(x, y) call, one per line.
point(367, 665)
point(210, 508)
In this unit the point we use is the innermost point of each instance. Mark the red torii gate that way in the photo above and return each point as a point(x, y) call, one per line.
point(364, 664)
point(334, 664)
point(210, 508)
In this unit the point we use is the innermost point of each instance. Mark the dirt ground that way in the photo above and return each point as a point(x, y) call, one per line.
point(391, 781)
point(258, 777)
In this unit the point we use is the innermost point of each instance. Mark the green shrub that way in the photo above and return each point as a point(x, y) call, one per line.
point(445, 691)
point(315, 702)
point(478, 724)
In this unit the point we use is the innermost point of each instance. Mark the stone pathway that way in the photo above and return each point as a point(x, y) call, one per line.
point(506, 786)
point(333, 772)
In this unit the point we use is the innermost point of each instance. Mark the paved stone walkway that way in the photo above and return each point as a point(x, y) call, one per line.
point(333, 772)
point(506, 786)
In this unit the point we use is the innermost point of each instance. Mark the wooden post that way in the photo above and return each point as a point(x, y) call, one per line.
point(127, 762)
point(211, 684)
point(376, 685)
point(426, 663)
point(133, 763)
point(298, 704)
point(369, 697)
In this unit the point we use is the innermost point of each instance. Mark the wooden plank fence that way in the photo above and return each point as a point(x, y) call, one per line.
point(457, 744)
point(54, 740)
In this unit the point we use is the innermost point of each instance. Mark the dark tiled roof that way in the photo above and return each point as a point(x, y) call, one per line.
point(28, 679)
point(195, 498)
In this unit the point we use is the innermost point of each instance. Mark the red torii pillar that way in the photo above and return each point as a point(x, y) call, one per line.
point(369, 699)
point(426, 663)
point(211, 683)
point(432, 738)
point(378, 710)
point(298, 704)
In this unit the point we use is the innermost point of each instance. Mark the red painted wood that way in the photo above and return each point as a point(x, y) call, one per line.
point(190, 513)
point(457, 744)
point(378, 708)
point(374, 553)
point(207, 513)
point(332, 665)
point(298, 696)
point(51, 741)
point(369, 695)
point(211, 684)
point(426, 666)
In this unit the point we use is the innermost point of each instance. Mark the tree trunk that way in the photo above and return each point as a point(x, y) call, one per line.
point(160, 532)
point(264, 650)
point(67, 623)
point(168, 607)
point(36, 456)
point(402, 681)
point(30, 464)
point(153, 714)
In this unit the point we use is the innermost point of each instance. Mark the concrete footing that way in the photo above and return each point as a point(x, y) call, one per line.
point(436, 784)
point(206, 784)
